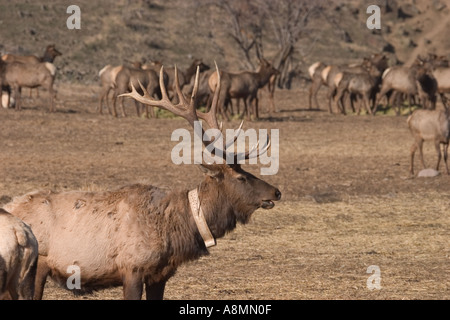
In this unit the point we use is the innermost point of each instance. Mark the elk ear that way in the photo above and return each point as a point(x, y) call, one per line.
point(211, 170)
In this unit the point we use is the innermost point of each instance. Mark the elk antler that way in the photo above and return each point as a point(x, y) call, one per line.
point(187, 110)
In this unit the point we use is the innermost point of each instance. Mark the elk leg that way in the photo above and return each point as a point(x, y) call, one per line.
point(41, 276)
point(132, 286)
point(437, 145)
point(420, 145)
point(444, 100)
point(315, 86)
point(122, 107)
point(330, 95)
point(367, 104)
point(138, 108)
point(155, 291)
point(17, 94)
point(152, 112)
point(114, 111)
point(256, 108)
point(446, 157)
point(52, 98)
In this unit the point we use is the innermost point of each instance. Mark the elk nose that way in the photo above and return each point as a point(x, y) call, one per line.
point(278, 194)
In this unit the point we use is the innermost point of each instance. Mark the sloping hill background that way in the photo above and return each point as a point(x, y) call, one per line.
point(174, 31)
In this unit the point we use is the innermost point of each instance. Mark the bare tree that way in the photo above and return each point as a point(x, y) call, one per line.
point(253, 23)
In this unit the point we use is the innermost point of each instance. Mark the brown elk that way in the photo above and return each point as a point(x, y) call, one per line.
point(129, 75)
point(140, 234)
point(417, 80)
point(107, 76)
point(18, 258)
point(431, 125)
point(50, 55)
point(243, 85)
point(363, 86)
point(17, 75)
point(315, 71)
point(329, 73)
point(183, 76)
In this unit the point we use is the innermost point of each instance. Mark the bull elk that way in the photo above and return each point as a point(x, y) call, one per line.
point(140, 234)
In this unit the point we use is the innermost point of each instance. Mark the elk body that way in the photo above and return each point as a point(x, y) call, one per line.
point(107, 76)
point(17, 75)
point(442, 76)
point(430, 125)
point(50, 55)
point(315, 73)
point(363, 85)
point(413, 81)
point(18, 258)
point(139, 235)
point(243, 85)
point(329, 73)
point(183, 76)
point(127, 76)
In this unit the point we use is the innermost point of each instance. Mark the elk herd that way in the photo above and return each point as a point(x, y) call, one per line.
point(143, 233)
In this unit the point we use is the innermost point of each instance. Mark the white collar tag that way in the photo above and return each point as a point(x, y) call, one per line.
point(199, 218)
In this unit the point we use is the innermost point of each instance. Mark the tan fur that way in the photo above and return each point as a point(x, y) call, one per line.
point(429, 125)
point(312, 68)
point(136, 234)
point(242, 85)
point(18, 75)
point(18, 258)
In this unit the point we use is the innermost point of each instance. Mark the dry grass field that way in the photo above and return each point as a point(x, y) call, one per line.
point(348, 201)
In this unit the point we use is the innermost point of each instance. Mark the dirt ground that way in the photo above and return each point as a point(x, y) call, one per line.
point(348, 202)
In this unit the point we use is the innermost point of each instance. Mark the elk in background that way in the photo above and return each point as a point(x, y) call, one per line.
point(315, 73)
point(50, 55)
point(362, 86)
point(107, 76)
point(184, 76)
point(17, 75)
point(441, 73)
point(417, 80)
point(128, 76)
point(329, 73)
point(142, 233)
point(431, 125)
point(242, 85)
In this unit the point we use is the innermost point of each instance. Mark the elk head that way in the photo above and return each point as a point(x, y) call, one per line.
point(241, 192)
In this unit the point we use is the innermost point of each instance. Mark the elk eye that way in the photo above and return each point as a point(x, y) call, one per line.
point(242, 179)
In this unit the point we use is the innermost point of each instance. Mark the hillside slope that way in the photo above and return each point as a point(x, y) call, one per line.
point(176, 30)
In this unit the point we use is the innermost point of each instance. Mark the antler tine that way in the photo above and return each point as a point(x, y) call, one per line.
point(236, 135)
point(162, 86)
point(250, 154)
point(194, 91)
point(210, 117)
point(180, 109)
point(135, 95)
point(181, 98)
